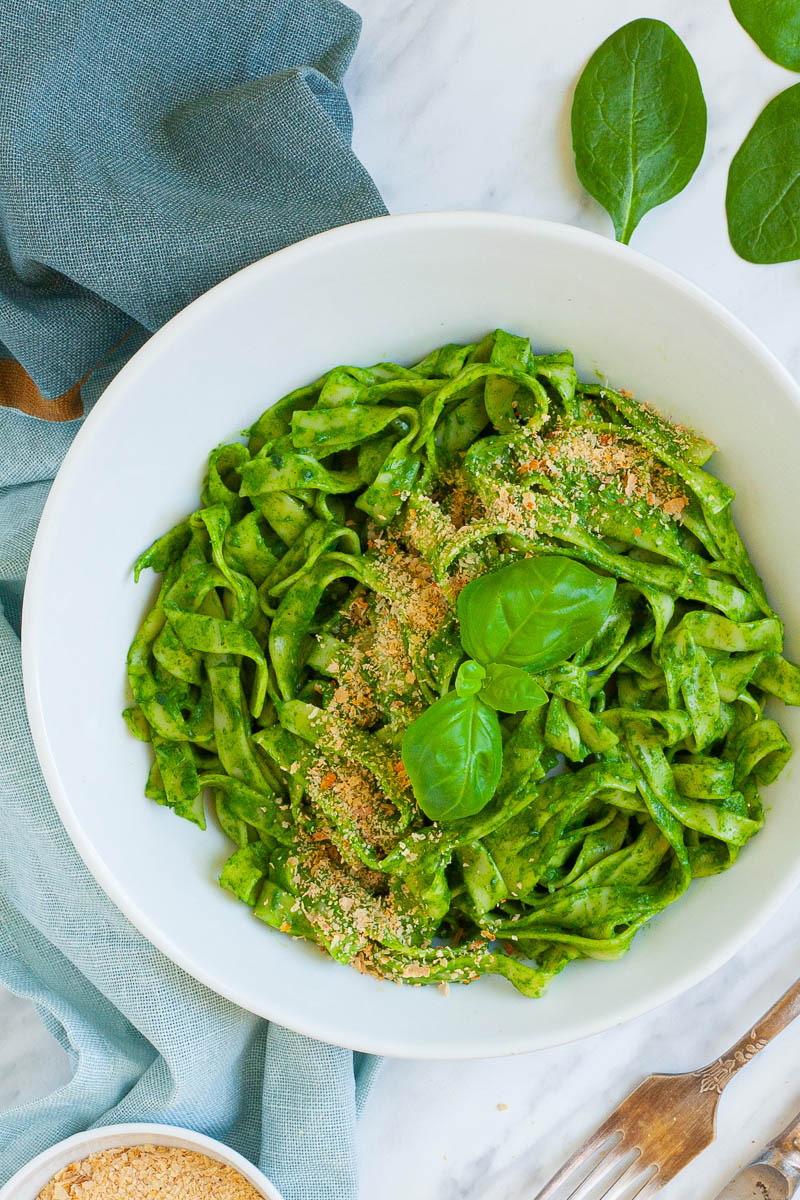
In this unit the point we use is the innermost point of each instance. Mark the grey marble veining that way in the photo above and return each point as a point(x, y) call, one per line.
point(465, 104)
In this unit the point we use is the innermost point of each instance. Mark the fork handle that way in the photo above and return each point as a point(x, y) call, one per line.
point(718, 1074)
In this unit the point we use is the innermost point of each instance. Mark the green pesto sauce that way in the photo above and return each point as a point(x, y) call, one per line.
point(308, 615)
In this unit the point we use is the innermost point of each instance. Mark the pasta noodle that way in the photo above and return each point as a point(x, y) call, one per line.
point(307, 616)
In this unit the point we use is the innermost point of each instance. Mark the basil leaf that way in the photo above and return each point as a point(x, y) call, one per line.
point(470, 677)
point(638, 122)
point(774, 25)
point(763, 197)
point(453, 755)
point(510, 689)
point(533, 613)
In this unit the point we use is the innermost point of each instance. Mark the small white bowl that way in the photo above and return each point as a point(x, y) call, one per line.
point(30, 1179)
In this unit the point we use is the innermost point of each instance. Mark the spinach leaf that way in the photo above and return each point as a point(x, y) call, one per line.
point(533, 613)
point(774, 25)
point(638, 122)
point(510, 689)
point(763, 197)
point(453, 755)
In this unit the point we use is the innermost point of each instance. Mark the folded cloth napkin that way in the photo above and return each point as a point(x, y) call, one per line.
point(147, 149)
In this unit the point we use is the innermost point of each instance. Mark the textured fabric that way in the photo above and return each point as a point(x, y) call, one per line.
point(147, 149)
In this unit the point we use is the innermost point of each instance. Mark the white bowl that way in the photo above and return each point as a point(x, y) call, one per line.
point(30, 1179)
point(392, 288)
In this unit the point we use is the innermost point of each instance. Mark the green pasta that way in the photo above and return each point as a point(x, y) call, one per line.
point(470, 662)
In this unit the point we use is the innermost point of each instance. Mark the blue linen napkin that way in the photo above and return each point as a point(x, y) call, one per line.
point(147, 149)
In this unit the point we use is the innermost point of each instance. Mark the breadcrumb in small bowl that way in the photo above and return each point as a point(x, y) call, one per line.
point(135, 1162)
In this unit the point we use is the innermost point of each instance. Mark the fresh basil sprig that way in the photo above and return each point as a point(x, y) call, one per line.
point(511, 689)
point(453, 752)
point(533, 613)
point(638, 121)
point(763, 197)
point(526, 616)
point(503, 687)
point(453, 755)
point(774, 25)
point(470, 678)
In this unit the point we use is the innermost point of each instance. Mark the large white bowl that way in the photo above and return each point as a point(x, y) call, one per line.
point(392, 288)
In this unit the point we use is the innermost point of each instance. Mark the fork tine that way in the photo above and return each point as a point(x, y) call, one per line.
point(632, 1184)
point(602, 1141)
point(608, 1176)
point(652, 1185)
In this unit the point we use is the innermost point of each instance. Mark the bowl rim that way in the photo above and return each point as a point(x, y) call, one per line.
point(78, 1145)
point(36, 600)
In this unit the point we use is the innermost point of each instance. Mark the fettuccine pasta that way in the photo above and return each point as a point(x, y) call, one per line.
point(308, 615)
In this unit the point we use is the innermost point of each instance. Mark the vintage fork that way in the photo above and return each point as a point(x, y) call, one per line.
point(665, 1123)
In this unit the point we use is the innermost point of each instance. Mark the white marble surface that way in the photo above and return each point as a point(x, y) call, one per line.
point(465, 104)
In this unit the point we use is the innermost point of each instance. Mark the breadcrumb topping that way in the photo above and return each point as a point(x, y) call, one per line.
point(385, 640)
point(613, 460)
point(148, 1173)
